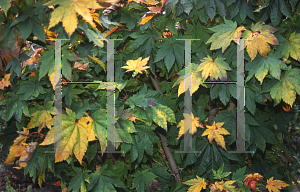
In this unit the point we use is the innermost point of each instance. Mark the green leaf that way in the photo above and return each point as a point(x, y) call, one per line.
point(275, 15)
point(5, 4)
point(291, 47)
point(260, 66)
point(78, 180)
point(142, 180)
point(210, 7)
point(219, 174)
point(31, 88)
point(239, 174)
point(169, 50)
point(47, 60)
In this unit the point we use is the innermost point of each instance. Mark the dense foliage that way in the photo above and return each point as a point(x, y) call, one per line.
point(149, 104)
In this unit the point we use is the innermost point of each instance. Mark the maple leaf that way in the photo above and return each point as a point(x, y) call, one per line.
point(262, 36)
point(137, 65)
point(252, 180)
point(5, 81)
point(220, 185)
point(193, 87)
point(291, 47)
point(223, 35)
point(287, 87)
point(41, 116)
point(74, 136)
point(192, 123)
point(51, 78)
point(15, 147)
point(22, 162)
point(214, 68)
point(215, 132)
point(197, 184)
point(274, 185)
point(66, 13)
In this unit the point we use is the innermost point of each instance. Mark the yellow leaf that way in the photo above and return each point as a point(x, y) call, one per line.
point(274, 185)
point(137, 65)
point(262, 36)
point(74, 137)
point(192, 123)
point(51, 78)
point(5, 81)
point(197, 184)
point(15, 147)
point(215, 132)
point(213, 68)
point(193, 87)
point(29, 149)
point(66, 13)
point(99, 62)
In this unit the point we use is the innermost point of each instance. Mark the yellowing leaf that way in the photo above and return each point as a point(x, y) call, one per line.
point(192, 123)
point(137, 65)
point(99, 62)
point(262, 36)
point(66, 13)
point(5, 81)
point(197, 184)
point(287, 87)
point(274, 185)
point(74, 137)
point(41, 117)
point(15, 147)
point(213, 68)
point(149, 15)
point(215, 132)
point(220, 185)
point(291, 47)
point(223, 35)
point(193, 87)
point(41, 178)
point(51, 78)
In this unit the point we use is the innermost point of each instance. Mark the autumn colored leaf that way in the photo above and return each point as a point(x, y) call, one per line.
point(50, 34)
point(150, 14)
point(15, 147)
point(74, 136)
point(106, 34)
point(287, 87)
point(99, 62)
point(287, 108)
point(34, 58)
point(193, 87)
point(196, 184)
point(192, 123)
point(252, 180)
point(95, 17)
point(10, 41)
point(29, 149)
point(213, 68)
point(220, 185)
point(291, 47)
point(80, 66)
point(274, 185)
point(41, 116)
point(262, 36)
point(66, 13)
point(51, 78)
point(215, 132)
point(137, 65)
point(5, 81)
point(223, 35)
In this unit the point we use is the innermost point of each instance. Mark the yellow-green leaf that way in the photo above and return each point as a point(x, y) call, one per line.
point(192, 123)
point(213, 68)
point(275, 185)
point(215, 132)
point(197, 184)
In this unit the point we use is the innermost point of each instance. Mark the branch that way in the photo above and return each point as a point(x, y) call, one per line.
point(213, 110)
point(231, 105)
point(163, 137)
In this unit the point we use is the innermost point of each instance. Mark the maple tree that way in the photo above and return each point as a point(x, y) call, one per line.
point(150, 78)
